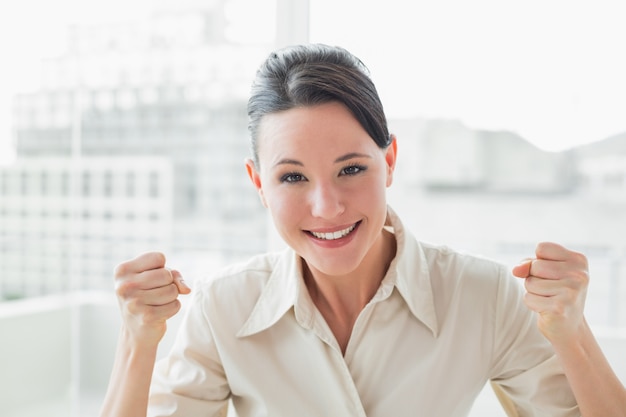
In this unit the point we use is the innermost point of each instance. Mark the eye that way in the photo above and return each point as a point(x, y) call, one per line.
point(353, 169)
point(292, 177)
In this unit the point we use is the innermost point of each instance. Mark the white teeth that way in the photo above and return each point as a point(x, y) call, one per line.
point(334, 235)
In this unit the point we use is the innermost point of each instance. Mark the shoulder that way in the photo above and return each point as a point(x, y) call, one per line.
point(421, 257)
point(455, 264)
point(265, 283)
point(466, 278)
point(249, 274)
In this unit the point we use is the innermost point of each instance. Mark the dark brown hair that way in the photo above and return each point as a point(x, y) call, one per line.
point(308, 75)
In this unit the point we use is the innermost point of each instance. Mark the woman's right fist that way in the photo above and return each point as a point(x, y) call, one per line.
point(148, 292)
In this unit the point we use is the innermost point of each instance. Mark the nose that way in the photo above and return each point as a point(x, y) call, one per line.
point(326, 201)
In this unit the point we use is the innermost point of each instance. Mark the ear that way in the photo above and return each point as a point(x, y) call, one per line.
point(390, 157)
point(255, 177)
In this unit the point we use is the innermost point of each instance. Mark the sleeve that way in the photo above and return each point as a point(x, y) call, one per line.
point(190, 380)
point(525, 372)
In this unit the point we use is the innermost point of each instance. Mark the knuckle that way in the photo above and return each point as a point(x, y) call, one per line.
point(157, 279)
point(571, 295)
point(576, 298)
point(143, 262)
point(133, 306)
point(543, 249)
point(541, 246)
point(580, 279)
point(528, 299)
point(172, 291)
point(559, 309)
point(583, 278)
point(580, 259)
point(528, 284)
point(154, 259)
point(149, 316)
point(124, 288)
point(121, 269)
point(156, 314)
point(176, 306)
point(167, 275)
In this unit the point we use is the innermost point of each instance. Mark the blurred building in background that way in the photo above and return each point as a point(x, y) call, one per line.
point(454, 157)
point(172, 87)
point(602, 169)
point(495, 194)
point(64, 223)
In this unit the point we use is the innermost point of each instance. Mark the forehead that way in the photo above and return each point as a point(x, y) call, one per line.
point(329, 125)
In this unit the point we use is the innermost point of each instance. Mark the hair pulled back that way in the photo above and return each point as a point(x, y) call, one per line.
point(313, 74)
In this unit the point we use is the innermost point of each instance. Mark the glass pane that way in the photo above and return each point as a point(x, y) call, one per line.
point(123, 130)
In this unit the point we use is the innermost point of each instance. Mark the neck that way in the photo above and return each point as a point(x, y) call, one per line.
point(341, 299)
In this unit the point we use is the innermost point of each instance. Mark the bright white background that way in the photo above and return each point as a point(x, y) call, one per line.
point(34, 29)
point(550, 70)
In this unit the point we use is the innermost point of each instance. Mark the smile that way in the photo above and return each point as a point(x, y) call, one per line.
point(335, 235)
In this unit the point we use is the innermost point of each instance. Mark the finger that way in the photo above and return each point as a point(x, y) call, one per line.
point(127, 287)
point(557, 304)
point(555, 252)
point(159, 296)
point(543, 287)
point(153, 314)
point(538, 303)
point(154, 278)
point(549, 269)
point(182, 286)
point(561, 304)
point(155, 294)
point(572, 273)
point(143, 262)
point(522, 270)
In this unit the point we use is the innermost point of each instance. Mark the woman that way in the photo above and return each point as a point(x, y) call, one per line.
point(356, 317)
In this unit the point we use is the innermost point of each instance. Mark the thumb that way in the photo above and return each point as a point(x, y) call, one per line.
point(522, 270)
point(180, 282)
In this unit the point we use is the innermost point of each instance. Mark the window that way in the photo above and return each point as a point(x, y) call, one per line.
point(107, 184)
point(130, 184)
point(86, 184)
point(154, 185)
point(43, 182)
point(65, 183)
point(101, 194)
point(142, 161)
point(4, 183)
point(24, 183)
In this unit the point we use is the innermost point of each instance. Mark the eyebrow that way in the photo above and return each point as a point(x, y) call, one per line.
point(351, 155)
point(287, 161)
point(343, 158)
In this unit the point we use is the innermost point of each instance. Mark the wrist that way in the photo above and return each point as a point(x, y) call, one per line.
point(137, 345)
point(574, 343)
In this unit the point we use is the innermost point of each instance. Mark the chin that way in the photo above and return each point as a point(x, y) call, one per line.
point(341, 267)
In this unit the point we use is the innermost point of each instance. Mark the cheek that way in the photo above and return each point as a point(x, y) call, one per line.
point(372, 192)
point(283, 207)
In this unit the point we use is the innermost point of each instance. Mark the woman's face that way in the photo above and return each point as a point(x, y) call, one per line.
point(324, 181)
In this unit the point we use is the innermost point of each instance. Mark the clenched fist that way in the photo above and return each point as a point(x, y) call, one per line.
point(148, 292)
point(556, 282)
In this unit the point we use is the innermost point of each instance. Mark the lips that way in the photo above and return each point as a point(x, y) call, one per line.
point(336, 234)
